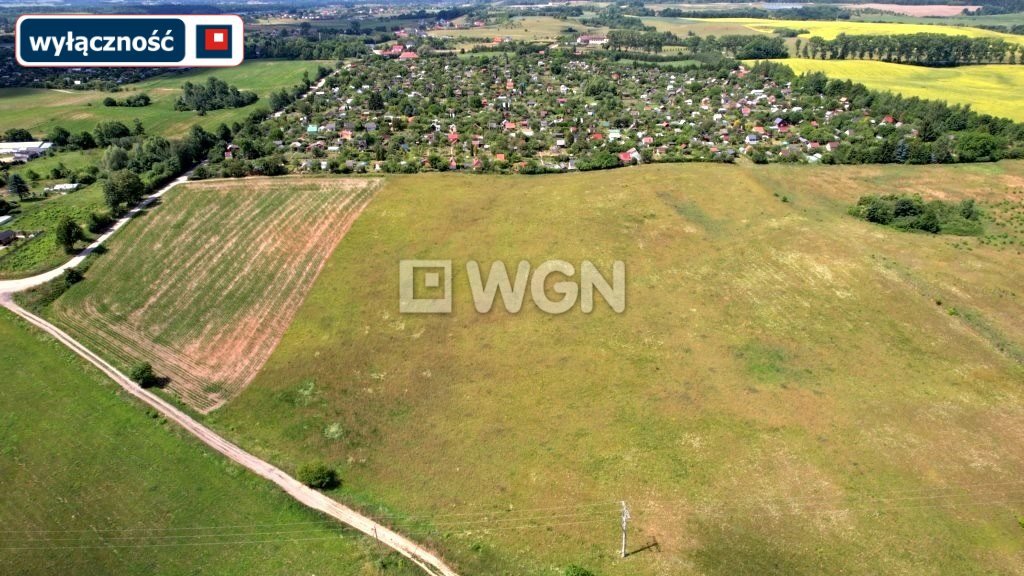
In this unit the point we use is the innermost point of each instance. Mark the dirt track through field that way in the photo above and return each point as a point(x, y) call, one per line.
point(204, 291)
point(420, 556)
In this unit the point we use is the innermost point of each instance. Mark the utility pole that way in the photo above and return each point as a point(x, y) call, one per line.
point(625, 524)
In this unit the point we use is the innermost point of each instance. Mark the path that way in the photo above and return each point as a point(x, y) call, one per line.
point(420, 556)
point(20, 284)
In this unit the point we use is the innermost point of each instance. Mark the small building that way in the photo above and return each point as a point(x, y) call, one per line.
point(23, 151)
point(7, 237)
point(63, 188)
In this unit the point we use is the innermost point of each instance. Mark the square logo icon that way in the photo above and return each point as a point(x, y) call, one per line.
point(432, 278)
point(213, 41)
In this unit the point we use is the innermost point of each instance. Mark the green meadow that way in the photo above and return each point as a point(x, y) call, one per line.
point(790, 390)
point(93, 484)
point(39, 110)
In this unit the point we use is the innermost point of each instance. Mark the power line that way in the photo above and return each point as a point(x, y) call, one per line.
point(165, 544)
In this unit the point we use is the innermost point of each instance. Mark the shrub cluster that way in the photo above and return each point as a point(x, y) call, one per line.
point(213, 95)
point(908, 212)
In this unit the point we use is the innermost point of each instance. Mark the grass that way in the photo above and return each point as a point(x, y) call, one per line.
point(782, 395)
point(988, 88)
point(204, 285)
point(39, 110)
point(94, 485)
point(829, 29)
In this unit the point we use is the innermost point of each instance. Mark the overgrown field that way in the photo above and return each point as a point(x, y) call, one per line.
point(829, 29)
point(992, 89)
point(42, 213)
point(790, 390)
point(204, 286)
point(38, 110)
point(94, 485)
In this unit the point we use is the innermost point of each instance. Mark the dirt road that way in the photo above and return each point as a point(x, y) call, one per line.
point(420, 556)
point(7, 286)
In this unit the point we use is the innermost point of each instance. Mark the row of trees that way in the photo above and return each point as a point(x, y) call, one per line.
point(923, 49)
point(143, 164)
point(640, 40)
point(215, 94)
point(742, 46)
point(302, 48)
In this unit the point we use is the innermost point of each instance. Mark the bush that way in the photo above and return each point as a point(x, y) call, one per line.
point(72, 276)
point(575, 570)
point(143, 375)
point(99, 221)
point(317, 475)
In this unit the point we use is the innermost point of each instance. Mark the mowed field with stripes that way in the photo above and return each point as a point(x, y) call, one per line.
point(204, 285)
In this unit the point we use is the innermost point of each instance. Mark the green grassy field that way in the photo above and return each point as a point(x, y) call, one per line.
point(991, 89)
point(41, 213)
point(993, 20)
point(789, 391)
point(94, 485)
point(204, 285)
point(38, 110)
point(683, 26)
point(528, 28)
point(830, 29)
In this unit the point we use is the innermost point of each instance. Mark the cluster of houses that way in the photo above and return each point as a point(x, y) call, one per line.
point(399, 51)
point(506, 113)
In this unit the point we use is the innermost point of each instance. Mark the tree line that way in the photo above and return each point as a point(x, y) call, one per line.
point(302, 48)
point(753, 47)
point(922, 49)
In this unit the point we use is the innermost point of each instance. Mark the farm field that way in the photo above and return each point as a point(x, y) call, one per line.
point(529, 28)
point(39, 110)
point(989, 88)
point(707, 27)
point(94, 485)
point(993, 20)
point(203, 286)
point(789, 390)
point(830, 29)
point(923, 10)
